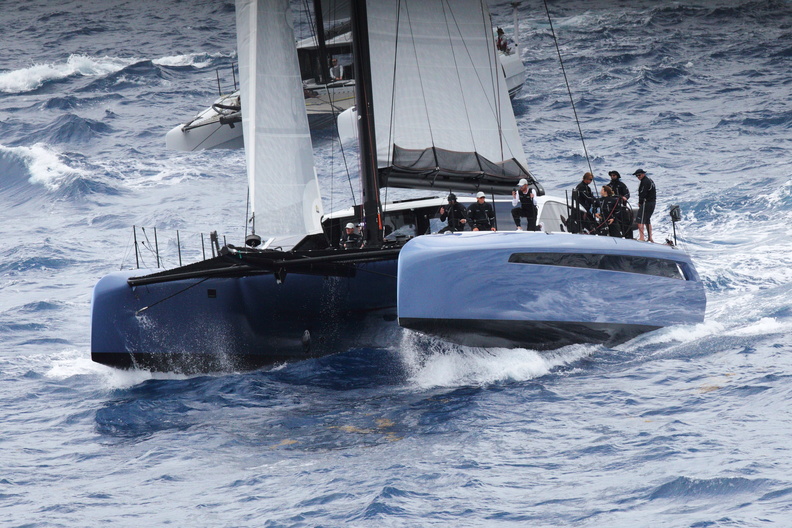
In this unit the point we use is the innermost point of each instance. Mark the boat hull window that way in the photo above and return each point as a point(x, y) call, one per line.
point(624, 263)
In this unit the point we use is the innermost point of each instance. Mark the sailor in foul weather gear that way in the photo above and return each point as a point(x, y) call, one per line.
point(455, 213)
point(623, 212)
point(608, 210)
point(583, 194)
point(350, 239)
point(481, 214)
point(647, 197)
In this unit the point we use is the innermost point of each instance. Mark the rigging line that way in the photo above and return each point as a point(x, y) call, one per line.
point(456, 67)
point(420, 77)
point(151, 250)
point(346, 166)
point(128, 245)
point(493, 70)
point(496, 80)
point(171, 296)
point(391, 125)
point(569, 91)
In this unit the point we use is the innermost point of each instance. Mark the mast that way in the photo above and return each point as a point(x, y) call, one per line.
point(372, 234)
point(324, 76)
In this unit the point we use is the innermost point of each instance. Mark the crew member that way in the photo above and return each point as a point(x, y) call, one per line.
point(455, 213)
point(524, 204)
point(647, 196)
point(349, 238)
point(583, 192)
point(608, 209)
point(481, 214)
point(623, 212)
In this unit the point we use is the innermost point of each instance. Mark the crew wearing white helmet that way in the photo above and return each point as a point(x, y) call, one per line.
point(349, 238)
point(524, 205)
point(481, 214)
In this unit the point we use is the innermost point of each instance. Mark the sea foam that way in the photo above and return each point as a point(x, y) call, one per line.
point(33, 77)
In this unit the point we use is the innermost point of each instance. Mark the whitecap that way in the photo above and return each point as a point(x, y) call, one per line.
point(33, 77)
point(44, 165)
point(196, 60)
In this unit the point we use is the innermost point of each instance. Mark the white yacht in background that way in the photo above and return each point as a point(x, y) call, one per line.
point(220, 125)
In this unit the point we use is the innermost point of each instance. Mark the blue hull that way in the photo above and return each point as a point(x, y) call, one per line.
point(507, 289)
point(538, 290)
point(196, 325)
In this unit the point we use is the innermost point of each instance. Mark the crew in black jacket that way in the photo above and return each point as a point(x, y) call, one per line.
point(350, 239)
point(608, 210)
point(455, 213)
point(481, 214)
point(583, 192)
point(623, 215)
point(647, 196)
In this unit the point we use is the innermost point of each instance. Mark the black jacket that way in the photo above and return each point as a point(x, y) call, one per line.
point(351, 241)
point(647, 191)
point(455, 213)
point(481, 215)
point(584, 195)
point(619, 188)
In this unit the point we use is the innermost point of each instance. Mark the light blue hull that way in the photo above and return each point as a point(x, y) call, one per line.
point(519, 289)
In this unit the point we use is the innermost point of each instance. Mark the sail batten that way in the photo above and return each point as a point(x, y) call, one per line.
point(278, 151)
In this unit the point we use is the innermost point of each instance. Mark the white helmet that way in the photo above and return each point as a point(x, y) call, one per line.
point(522, 182)
point(350, 225)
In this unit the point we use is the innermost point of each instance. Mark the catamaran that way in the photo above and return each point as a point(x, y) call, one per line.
point(433, 114)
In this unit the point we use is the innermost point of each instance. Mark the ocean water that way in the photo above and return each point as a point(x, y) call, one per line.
point(684, 427)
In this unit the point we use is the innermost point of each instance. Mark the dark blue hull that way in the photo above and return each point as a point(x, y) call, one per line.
point(236, 323)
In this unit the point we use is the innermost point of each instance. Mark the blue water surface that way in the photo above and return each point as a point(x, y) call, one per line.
point(684, 427)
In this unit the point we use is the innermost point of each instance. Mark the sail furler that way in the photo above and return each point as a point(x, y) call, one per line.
point(278, 152)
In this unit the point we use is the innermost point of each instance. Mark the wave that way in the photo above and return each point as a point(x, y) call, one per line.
point(68, 128)
point(34, 77)
point(693, 488)
point(433, 362)
point(23, 170)
point(197, 61)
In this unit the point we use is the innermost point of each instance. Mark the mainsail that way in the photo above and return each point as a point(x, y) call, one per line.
point(283, 186)
point(442, 111)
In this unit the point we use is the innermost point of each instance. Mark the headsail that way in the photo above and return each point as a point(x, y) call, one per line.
point(442, 112)
point(280, 166)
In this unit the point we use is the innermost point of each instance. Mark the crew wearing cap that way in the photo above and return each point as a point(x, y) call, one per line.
point(524, 204)
point(349, 238)
point(647, 196)
point(481, 214)
point(619, 187)
point(622, 215)
point(455, 213)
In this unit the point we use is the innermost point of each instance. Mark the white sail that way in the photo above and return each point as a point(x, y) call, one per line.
point(447, 89)
point(283, 186)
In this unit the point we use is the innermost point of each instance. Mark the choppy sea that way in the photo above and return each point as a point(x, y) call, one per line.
point(687, 426)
